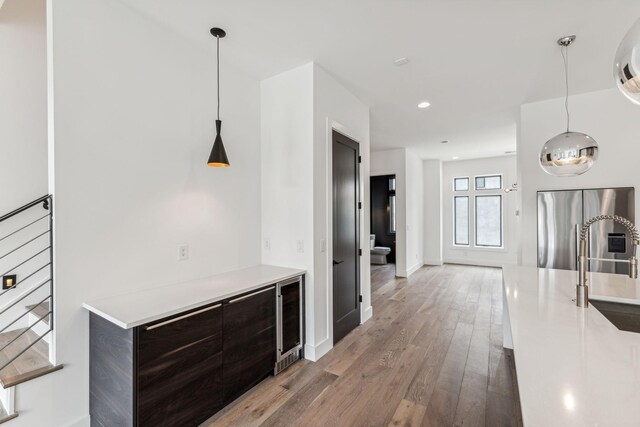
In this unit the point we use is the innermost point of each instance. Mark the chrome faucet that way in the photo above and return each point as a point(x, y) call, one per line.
point(582, 289)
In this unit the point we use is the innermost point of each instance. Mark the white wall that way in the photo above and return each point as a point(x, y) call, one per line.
point(433, 212)
point(23, 102)
point(134, 108)
point(505, 165)
point(609, 118)
point(300, 108)
point(334, 107)
point(393, 162)
point(287, 178)
point(415, 212)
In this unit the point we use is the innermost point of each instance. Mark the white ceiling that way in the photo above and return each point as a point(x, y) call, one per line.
point(476, 61)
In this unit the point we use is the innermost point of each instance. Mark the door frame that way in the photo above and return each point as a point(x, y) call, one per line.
point(401, 228)
point(359, 208)
point(396, 234)
point(365, 312)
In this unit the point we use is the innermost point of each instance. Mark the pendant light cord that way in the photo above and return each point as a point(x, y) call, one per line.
point(565, 57)
point(218, 71)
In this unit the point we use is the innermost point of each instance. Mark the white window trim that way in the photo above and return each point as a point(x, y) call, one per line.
point(471, 193)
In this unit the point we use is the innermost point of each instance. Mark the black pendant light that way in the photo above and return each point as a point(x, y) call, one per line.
point(218, 157)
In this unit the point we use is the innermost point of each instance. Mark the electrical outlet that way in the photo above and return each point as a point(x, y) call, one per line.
point(300, 246)
point(183, 252)
point(323, 245)
point(267, 244)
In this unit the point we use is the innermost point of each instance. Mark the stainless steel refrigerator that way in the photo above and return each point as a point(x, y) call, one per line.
point(561, 215)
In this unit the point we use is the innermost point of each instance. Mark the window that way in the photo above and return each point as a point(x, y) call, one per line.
point(484, 202)
point(489, 182)
point(392, 205)
point(461, 220)
point(489, 221)
point(461, 184)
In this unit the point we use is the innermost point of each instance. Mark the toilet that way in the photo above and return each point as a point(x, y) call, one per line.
point(378, 253)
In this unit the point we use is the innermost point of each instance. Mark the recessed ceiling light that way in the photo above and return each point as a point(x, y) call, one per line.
point(401, 61)
point(424, 104)
point(444, 142)
point(455, 157)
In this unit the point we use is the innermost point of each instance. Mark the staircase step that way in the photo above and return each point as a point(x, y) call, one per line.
point(40, 310)
point(4, 417)
point(31, 364)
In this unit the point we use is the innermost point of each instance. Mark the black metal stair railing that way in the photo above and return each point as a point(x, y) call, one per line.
point(26, 249)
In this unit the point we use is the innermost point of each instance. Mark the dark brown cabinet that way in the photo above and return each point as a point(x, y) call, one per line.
point(180, 370)
point(250, 341)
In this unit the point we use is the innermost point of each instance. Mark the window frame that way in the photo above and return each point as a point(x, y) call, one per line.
point(475, 219)
point(453, 183)
point(455, 211)
point(488, 175)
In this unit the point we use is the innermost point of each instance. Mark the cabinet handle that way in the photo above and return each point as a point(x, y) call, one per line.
point(157, 325)
point(231, 301)
point(291, 281)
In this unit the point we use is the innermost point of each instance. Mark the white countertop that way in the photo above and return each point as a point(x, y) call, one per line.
point(574, 367)
point(140, 307)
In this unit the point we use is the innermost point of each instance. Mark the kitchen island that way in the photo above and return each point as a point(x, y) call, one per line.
point(574, 367)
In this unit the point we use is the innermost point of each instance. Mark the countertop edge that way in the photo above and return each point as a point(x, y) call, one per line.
point(216, 298)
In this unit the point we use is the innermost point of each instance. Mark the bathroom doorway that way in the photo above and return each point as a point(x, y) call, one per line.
point(382, 241)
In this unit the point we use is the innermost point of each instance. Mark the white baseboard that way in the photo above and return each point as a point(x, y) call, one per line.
point(314, 353)
point(414, 269)
point(367, 314)
point(81, 422)
point(464, 261)
point(433, 262)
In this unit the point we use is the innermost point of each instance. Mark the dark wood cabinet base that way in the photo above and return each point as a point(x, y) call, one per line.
point(181, 370)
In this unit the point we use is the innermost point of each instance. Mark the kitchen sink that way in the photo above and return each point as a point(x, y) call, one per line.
point(625, 317)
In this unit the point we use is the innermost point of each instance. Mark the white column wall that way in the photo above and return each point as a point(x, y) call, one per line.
point(23, 102)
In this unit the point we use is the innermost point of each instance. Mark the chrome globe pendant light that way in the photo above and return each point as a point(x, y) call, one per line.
point(627, 64)
point(569, 153)
point(218, 157)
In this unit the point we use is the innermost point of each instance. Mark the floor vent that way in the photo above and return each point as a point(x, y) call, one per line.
point(287, 361)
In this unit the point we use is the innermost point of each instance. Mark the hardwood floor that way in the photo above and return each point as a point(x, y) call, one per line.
point(432, 355)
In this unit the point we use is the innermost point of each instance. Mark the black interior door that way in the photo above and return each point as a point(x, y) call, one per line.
point(346, 257)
